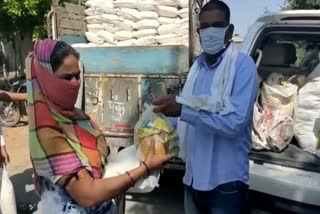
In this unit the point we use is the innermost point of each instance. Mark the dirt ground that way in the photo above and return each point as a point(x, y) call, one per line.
point(19, 169)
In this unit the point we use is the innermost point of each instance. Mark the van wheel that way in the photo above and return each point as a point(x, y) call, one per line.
point(121, 203)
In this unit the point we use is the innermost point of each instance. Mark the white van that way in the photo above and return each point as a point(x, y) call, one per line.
point(290, 180)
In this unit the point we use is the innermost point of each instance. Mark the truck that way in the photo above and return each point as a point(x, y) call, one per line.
point(118, 81)
point(288, 181)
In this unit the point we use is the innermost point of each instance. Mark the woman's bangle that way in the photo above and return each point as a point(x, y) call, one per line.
point(131, 178)
point(147, 168)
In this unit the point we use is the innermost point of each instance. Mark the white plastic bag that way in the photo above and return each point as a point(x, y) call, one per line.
point(126, 160)
point(7, 198)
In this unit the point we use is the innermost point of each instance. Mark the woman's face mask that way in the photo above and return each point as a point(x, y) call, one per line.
point(213, 39)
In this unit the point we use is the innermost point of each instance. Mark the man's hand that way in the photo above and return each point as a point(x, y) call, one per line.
point(168, 106)
point(4, 157)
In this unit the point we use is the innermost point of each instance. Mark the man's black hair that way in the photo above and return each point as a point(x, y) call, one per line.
point(217, 5)
point(60, 52)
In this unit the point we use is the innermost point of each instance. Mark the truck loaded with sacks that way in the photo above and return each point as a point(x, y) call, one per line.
point(133, 51)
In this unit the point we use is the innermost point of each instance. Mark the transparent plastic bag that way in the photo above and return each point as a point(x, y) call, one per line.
point(126, 160)
point(155, 128)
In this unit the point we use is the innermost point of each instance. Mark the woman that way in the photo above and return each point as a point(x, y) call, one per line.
point(68, 152)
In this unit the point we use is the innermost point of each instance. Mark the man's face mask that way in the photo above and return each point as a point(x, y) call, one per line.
point(212, 39)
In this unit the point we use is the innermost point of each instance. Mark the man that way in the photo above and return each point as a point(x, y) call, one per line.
point(8, 97)
point(216, 106)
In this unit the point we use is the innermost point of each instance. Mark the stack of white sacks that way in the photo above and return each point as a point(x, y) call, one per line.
point(137, 22)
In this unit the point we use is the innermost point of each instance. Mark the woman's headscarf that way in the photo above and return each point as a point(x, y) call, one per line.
point(62, 139)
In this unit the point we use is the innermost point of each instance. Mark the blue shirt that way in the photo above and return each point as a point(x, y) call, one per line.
point(219, 146)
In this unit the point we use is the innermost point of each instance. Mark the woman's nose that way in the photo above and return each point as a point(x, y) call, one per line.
point(74, 79)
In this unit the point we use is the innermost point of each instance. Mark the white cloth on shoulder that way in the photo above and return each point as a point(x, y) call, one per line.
point(219, 100)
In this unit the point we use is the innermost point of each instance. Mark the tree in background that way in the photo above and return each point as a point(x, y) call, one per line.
point(22, 21)
point(304, 4)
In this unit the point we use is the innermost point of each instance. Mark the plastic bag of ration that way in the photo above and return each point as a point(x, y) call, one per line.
point(158, 129)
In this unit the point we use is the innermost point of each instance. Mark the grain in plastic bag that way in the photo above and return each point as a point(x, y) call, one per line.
point(158, 129)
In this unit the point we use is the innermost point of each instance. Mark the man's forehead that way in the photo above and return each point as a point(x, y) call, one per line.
point(212, 16)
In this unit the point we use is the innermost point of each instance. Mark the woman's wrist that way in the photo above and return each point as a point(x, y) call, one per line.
point(146, 166)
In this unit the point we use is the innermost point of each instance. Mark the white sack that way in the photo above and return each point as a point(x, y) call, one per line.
point(279, 97)
point(272, 130)
point(125, 4)
point(167, 2)
point(183, 3)
point(144, 33)
point(166, 20)
point(147, 24)
point(146, 5)
point(167, 29)
point(98, 3)
point(166, 11)
point(94, 38)
point(184, 21)
point(7, 198)
point(130, 42)
point(184, 13)
point(112, 19)
point(93, 12)
point(126, 160)
point(123, 35)
point(129, 14)
point(110, 27)
point(108, 45)
point(147, 41)
point(168, 38)
point(93, 20)
point(106, 36)
point(126, 25)
point(95, 28)
point(148, 15)
point(307, 116)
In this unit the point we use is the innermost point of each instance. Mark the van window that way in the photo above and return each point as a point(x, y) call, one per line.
point(289, 53)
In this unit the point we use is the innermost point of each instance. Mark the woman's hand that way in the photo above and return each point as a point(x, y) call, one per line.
point(153, 160)
point(4, 157)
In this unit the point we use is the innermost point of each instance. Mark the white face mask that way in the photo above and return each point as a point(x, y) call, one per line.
point(212, 39)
